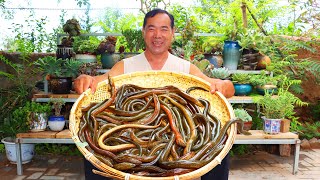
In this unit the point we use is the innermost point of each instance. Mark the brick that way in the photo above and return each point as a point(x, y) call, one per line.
point(36, 169)
point(19, 178)
point(52, 177)
point(35, 175)
point(52, 171)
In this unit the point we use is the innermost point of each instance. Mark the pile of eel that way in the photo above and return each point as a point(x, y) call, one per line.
point(152, 131)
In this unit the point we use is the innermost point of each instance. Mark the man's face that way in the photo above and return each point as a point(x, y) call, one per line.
point(158, 34)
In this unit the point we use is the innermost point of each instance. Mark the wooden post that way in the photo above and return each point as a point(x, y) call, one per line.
point(244, 14)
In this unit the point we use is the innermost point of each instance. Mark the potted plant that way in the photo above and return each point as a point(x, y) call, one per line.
point(241, 82)
point(276, 108)
point(56, 121)
point(263, 82)
point(14, 124)
point(245, 117)
point(59, 72)
point(220, 73)
point(72, 28)
point(212, 49)
point(85, 50)
point(37, 115)
point(107, 48)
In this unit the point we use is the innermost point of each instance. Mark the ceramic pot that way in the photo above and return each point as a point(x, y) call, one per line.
point(64, 52)
point(109, 60)
point(271, 126)
point(86, 58)
point(271, 89)
point(27, 151)
point(231, 54)
point(39, 122)
point(217, 61)
point(242, 89)
point(60, 85)
point(247, 125)
point(56, 123)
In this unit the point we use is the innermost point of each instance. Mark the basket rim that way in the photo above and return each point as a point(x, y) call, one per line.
point(191, 175)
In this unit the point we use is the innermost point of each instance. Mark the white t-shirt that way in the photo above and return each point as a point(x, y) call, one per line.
point(140, 63)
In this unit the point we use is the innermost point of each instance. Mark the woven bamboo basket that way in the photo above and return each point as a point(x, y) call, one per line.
point(220, 107)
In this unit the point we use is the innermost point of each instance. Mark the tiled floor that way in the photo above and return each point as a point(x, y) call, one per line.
point(260, 165)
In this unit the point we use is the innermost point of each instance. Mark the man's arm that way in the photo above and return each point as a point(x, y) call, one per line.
point(224, 86)
point(84, 82)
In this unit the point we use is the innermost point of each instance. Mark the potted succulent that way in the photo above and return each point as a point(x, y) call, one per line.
point(276, 108)
point(245, 117)
point(220, 73)
point(58, 72)
point(56, 121)
point(72, 28)
point(241, 82)
point(85, 50)
point(107, 48)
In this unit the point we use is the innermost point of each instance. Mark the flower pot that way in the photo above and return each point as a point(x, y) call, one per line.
point(242, 89)
point(27, 151)
point(109, 60)
point(214, 59)
point(231, 55)
point(39, 122)
point(86, 58)
point(56, 123)
point(271, 126)
point(60, 85)
point(64, 52)
point(271, 89)
point(247, 125)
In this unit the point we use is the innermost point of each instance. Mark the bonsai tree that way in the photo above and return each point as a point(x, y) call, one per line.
point(37, 112)
point(57, 105)
point(244, 116)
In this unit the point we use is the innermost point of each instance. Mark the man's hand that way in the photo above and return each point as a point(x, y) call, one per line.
point(224, 86)
point(84, 82)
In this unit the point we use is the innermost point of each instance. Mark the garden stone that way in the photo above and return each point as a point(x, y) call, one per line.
point(305, 144)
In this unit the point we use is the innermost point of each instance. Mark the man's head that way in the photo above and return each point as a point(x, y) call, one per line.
point(158, 32)
point(156, 11)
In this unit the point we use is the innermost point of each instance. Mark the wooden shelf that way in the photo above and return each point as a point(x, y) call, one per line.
point(43, 97)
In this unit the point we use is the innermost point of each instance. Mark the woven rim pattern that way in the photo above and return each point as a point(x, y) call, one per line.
point(220, 107)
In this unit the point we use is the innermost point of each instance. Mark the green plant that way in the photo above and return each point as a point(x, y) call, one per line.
point(242, 114)
point(57, 104)
point(254, 40)
point(107, 45)
point(220, 73)
point(241, 78)
point(134, 39)
point(263, 79)
point(310, 130)
point(54, 67)
point(84, 46)
point(280, 106)
point(34, 107)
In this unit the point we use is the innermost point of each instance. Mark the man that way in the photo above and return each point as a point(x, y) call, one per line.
point(158, 34)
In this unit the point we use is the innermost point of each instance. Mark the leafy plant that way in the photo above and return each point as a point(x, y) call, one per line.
point(242, 114)
point(241, 78)
point(84, 46)
point(134, 39)
point(310, 130)
point(280, 106)
point(263, 79)
point(52, 66)
point(72, 28)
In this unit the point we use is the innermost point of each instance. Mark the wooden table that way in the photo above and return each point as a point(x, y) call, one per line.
point(64, 137)
point(259, 137)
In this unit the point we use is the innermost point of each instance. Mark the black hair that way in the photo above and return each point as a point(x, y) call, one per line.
point(156, 11)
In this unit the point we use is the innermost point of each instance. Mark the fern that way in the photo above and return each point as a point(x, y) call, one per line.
point(314, 68)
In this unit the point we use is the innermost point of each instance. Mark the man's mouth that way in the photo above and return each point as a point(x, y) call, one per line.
point(157, 43)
